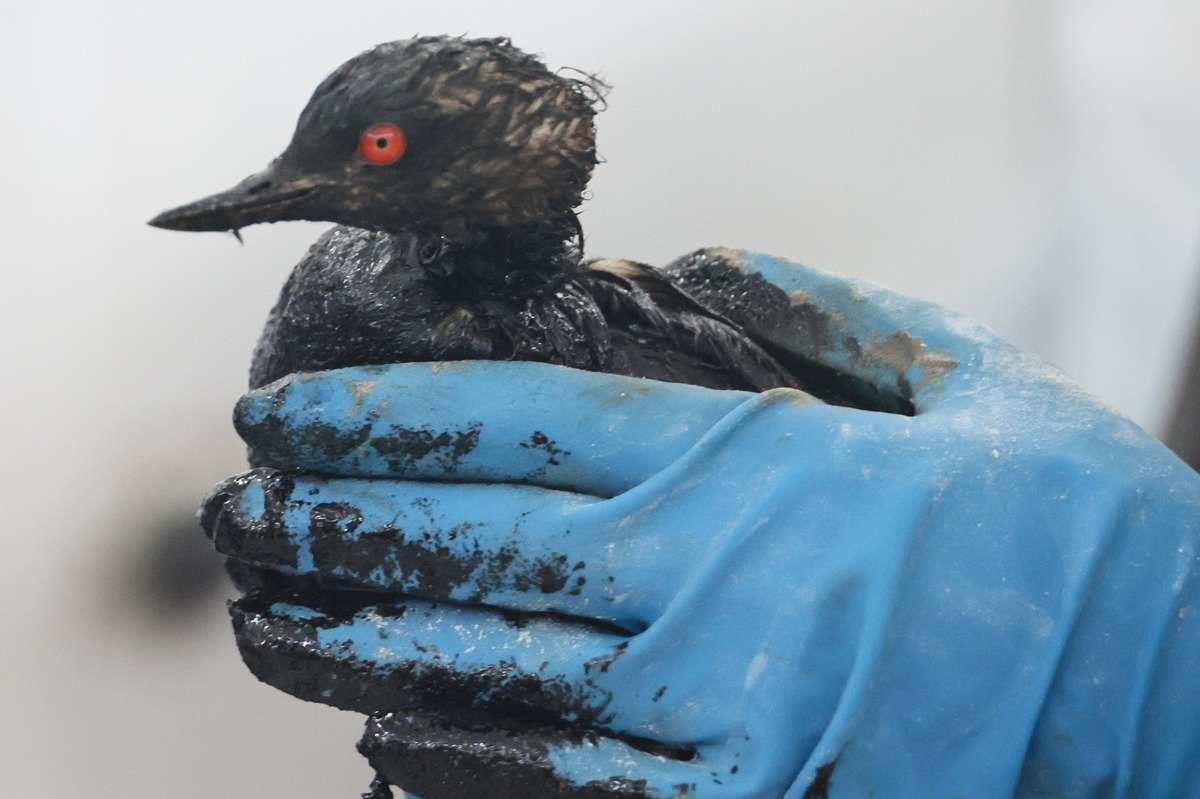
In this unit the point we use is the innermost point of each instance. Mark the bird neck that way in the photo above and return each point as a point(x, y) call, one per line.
point(505, 262)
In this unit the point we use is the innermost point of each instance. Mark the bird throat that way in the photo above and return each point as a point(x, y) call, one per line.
point(511, 262)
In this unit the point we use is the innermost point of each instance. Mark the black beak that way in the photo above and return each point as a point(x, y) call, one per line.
point(269, 196)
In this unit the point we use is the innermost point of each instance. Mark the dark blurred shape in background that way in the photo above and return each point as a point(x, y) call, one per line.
point(169, 576)
point(1183, 436)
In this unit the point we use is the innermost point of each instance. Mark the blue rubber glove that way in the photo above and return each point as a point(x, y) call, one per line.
point(751, 595)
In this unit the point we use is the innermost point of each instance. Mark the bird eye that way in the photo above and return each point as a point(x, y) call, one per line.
point(383, 144)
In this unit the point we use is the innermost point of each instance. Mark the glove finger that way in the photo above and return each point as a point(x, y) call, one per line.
point(494, 422)
point(518, 547)
point(879, 349)
point(419, 655)
point(437, 756)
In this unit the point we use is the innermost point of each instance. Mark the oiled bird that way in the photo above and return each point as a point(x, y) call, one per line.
point(453, 168)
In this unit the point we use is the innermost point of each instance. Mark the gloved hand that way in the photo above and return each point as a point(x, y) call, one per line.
point(553, 583)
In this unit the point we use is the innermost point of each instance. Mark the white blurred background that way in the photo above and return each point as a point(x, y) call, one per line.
point(1034, 164)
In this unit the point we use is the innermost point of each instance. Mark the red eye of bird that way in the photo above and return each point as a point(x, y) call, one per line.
point(383, 144)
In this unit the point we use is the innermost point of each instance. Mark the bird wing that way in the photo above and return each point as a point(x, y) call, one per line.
point(793, 330)
point(670, 323)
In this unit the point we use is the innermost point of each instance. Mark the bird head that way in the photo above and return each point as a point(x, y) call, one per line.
point(431, 134)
